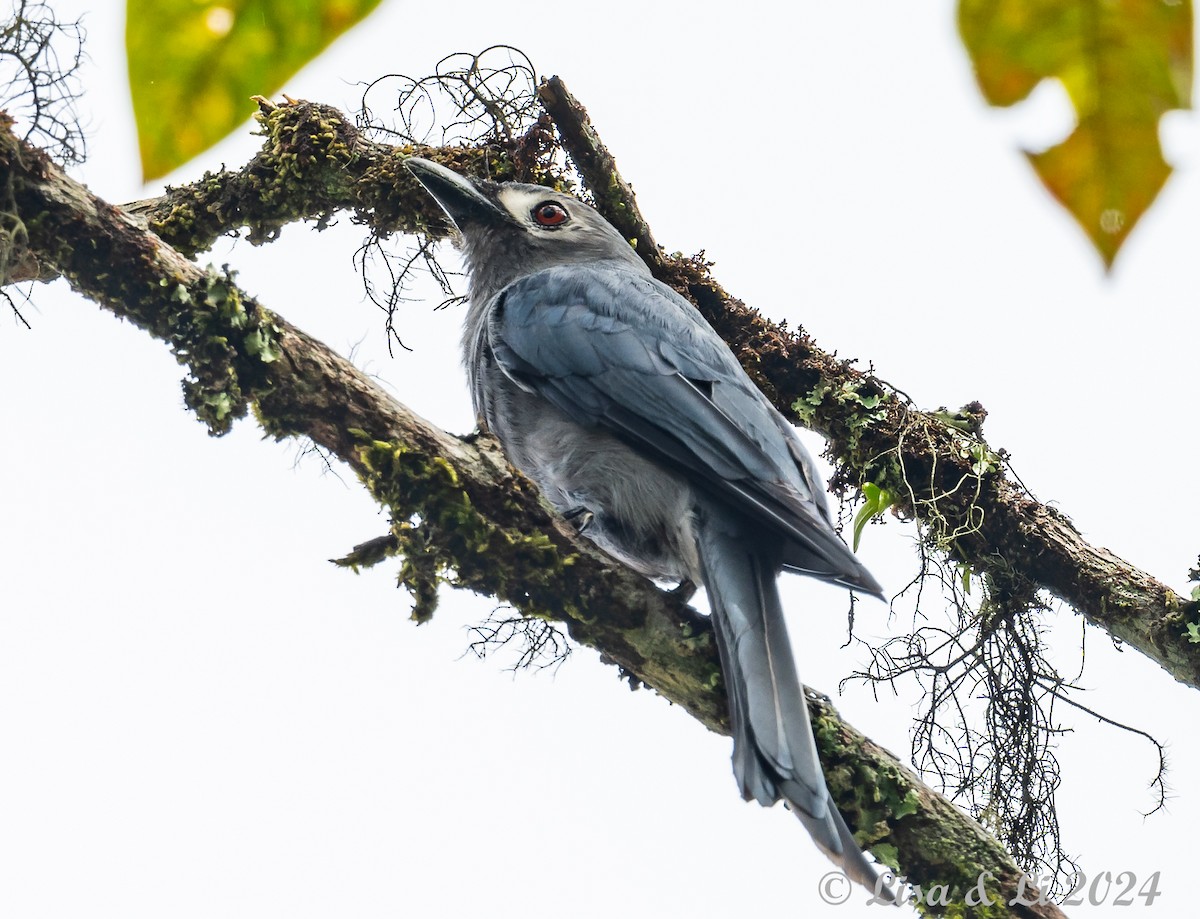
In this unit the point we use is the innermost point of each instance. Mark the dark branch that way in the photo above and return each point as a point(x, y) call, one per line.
point(936, 465)
point(457, 509)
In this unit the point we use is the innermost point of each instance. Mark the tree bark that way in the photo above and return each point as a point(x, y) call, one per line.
point(478, 518)
point(937, 466)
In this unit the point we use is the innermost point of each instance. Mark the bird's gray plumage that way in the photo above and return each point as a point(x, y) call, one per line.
point(615, 396)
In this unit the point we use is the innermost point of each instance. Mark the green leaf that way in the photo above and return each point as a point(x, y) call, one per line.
point(888, 854)
point(1123, 65)
point(910, 805)
point(877, 500)
point(193, 65)
point(221, 405)
point(263, 342)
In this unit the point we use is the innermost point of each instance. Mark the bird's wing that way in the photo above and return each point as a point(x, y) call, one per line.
point(613, 349)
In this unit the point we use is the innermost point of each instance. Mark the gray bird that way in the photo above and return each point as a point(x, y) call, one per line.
point(611, 392)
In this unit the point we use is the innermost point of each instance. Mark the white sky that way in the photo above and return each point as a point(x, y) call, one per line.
point(200, 716)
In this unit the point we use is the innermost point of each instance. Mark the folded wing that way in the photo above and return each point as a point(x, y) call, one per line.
point(611, 348)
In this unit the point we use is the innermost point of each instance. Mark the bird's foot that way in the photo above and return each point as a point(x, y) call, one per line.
point(580, 517)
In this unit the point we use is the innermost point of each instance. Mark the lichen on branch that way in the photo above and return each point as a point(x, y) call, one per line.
point(505, 541)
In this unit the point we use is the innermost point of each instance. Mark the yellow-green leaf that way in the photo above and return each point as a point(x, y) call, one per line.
point(1123, 63)
point(876, 500)
point(193, 65)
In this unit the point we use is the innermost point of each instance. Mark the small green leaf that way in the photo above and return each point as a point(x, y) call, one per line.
point(888, 854)
point(877, 500)
point(193, 65)
point(910, 804)
point(260, 344)
point(984, 461)
point(221, 405)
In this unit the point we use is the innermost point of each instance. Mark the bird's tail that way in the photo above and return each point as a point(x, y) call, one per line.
point(774, 754)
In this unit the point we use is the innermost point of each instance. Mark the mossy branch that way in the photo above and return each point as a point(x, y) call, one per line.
point(314, 164)
point(481, 526)
point(937, 466)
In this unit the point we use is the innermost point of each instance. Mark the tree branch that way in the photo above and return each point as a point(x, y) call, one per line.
point(457, 508)
point(936, 466)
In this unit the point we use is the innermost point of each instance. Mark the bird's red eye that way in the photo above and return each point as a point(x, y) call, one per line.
point(549, 214)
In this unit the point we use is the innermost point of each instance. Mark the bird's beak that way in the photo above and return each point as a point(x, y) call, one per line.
point(458, 196)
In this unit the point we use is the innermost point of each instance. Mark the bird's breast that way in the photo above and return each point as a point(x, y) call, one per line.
point(641, 512)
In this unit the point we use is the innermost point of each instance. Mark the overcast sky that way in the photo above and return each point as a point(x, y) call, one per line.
point(200, 716)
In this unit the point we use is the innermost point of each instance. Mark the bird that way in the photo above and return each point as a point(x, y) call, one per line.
point(625, 407)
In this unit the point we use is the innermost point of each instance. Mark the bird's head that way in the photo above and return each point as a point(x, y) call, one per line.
point(510, 230)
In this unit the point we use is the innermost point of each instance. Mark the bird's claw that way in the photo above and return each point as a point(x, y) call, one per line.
point(580, 518)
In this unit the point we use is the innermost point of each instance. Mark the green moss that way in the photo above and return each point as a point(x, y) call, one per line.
point(976, 895)
point(369, 554)
point(858, 407)
point(991, 906)
point(443, 538)
point(875, 797)
point(302, 166)
point(301, 172)
point(225, 341)
point(1191, 610)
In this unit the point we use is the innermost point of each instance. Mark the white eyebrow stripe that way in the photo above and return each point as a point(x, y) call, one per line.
point(519, 202)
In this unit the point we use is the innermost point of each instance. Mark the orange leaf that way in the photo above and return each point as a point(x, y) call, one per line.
point(1123, 63)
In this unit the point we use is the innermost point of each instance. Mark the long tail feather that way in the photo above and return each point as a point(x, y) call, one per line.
point(774, 754)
